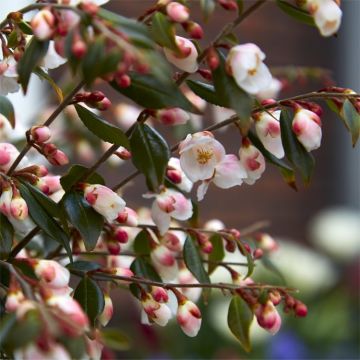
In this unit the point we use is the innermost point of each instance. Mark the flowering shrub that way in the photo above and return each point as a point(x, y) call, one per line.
point(63, 238)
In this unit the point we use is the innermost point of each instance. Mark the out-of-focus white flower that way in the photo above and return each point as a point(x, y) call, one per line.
point(8, 76)
point(43, 24)
point(52, 273)
point(267, 127)
point(327, 15)
point(187, 61)
point(252, 160)
point(186, 277)
point(54, 351)
point(245, 64)
point(126, 115)
point(272, 91)
point(172, 116)
point(189, 318)
point(307, 128)
point(52, 59)
point(183, 183)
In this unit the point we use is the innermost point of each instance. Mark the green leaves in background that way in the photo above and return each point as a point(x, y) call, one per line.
point(142, 243)
point(7, 109)
point(239, 320)
point(151, 93)
point(207, 8)
point(101, 128)
point(295, 12)
point(74, 175)
point(85, 219)
point(351, 119)
point(83, 266)
point(115, 339)
point(217, 253)
point(295, 152)
point(163, 31)
point(90, 297)
point(31, 58)
point(150, 154)
point(206, 92)
point(6, 236)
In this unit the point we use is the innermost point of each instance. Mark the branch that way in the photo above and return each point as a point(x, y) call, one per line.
point(21, 245)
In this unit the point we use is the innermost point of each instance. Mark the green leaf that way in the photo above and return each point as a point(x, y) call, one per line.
point(83, 266)
point(7, 324)
point(31, 58)
point(239, 320)
point(44, 220)
point(295, 12)
point(85, 219)
point(45, 76)
point(295, 152)
point(217, 253)
point(150, 154)
point(75, 174)
point(206, 92)
point(7, 109)
point(101, 128)
point(25, 268)
point(207, 8)
point(352, 120)
point(249, 259)
point(231, 95)
point(90, 297)
point(6, 236)
point(163, 31)
point(115, 339)
point(136, 32)
point(75, 346)
point(193, 262)
point(148, 91)
point(142, 243)
point(25, 27)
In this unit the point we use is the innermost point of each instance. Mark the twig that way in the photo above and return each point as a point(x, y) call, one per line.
point(23, 243)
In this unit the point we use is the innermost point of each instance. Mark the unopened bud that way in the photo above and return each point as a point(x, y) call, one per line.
point(177, 12)
point(121, 235)
point(123, 154)
point(172, 116)
point(212, 59)
point(189, 318)
point(40, 134)
point(300, 309)
point(258, 253)
point(127, 216)
point(107, 312)
point(123, 80)
point(205, 73)
point(58, 159)
point(113, 247)
point(228, 4)
point(42, 24)
point(104, 104)
point(174, 175)
point(193, 29)
point(79, 49)
point(18, 208)
point(159, 294)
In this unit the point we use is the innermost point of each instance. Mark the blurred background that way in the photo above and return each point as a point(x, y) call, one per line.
point(318, 227)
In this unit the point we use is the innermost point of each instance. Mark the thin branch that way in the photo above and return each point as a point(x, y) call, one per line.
point(21, 245)
point(48, 122)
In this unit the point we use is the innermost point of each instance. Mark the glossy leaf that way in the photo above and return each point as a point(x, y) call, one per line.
point(7, 110)
point(115, 339)
point(150, 154)
point(217, 253)
point(193, 261)
point(231, 95)
point(75, 346)
point(83, 266)
point(352, 120)
point(43, 75)
point(239, 320)
point(206, 92)
point(149, 92)
point(295, 12)
point(207, 8)
point(295, 152)
point(6, 236)
point(142, 243)
point(31, 58)
point(163, 31)
point(44, 220)
point(7, 324)
point(90, 297)
point(75, 174)
point(84, 218)
point(102, 128)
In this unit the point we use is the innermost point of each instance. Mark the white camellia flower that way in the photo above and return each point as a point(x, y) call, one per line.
point(199, 155)
point(169, 203)
point(187, 61)
point(272, 91)
point(8, 76)
point(327, 15)
point(267, 127)
point(252, 160)
point(185, 184)
point(307, 128)
point(245, 64)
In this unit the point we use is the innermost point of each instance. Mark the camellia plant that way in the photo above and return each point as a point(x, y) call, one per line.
point(69, 242)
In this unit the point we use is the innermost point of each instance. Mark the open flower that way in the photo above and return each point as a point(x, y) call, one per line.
point(8, 76)
point(307, 128)
point(169, 203)
point(267, 127)
point(187, 59)
point(245, 64)
point(199, 155)
point(105, 201)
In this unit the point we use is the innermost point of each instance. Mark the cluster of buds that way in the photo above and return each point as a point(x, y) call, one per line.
point(96, 100)
point(12, 203)
point(339, 102)
point(202, 239)
point(55, 156)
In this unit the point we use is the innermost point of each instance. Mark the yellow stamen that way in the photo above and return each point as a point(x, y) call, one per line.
point(204, 155)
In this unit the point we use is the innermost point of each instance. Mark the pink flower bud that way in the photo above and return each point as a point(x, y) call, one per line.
point(113, 247)
point(52, 273)
point(52, 182)
point(8, 153)
point(171, 241)
point(49, 149)
point(58, 159)
point(186, 277)
point(228, 4)
point(194, 30)
point(123, 80)
point(13, 300)
point(40, 134)
point(123, 154)
point(189, 318)
point(159, 294)
point(121, 235)
point(42, 171)
point(104, 104)
point(172, 116)
point(174, 175)
point(258, 253)
point(42, 24)
point(266, 242)
point(157, 312)
point(300, 309)
point(275, 297)
point(177, 12)
point(307, 128)
point(122, 271)
point(5, 200)
point(108, 311)
point(128, 217)
point(162, 255)
point(4, 157)
point(79, 49)
point(18, 208)
point(268, 317)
